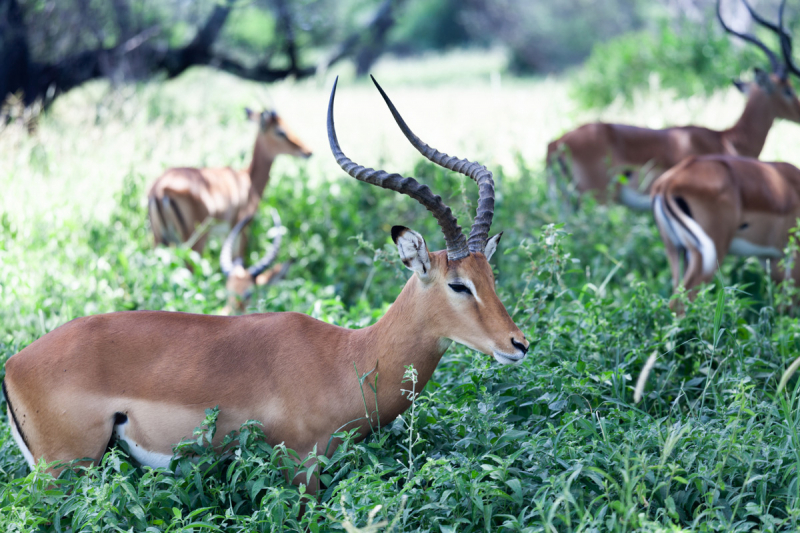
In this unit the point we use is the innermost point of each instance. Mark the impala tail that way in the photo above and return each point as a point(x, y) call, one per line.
point(675, 222)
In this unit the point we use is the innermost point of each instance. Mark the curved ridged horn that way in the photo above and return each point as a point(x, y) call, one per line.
point(786, 44)
point(479, 233)
point(453, 237)
point(270, 256)
point(761, 20)
point(226, 254)
point(773, 59)
point(785, 38)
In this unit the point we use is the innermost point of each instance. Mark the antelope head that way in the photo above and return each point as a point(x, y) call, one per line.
point(455, 285)
point(276, 136)
point(241, 281)
point(774, 85)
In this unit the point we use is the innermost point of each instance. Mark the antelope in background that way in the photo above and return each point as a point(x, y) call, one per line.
point(710, 206)
point(146, 377)
point(241, 281)
point(183, 198)
point(593, 153)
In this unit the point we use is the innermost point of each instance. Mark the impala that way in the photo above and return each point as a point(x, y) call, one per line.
point(181, 199)
point(146, 377)
point(709, 206)
point(593, 153)
point(242, 281)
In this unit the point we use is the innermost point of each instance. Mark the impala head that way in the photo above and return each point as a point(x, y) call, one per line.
point(242, 281)
point(775, 85)
point(276, 135)
point(457, 282)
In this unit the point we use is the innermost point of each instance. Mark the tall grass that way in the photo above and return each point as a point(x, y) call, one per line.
point(554, 444)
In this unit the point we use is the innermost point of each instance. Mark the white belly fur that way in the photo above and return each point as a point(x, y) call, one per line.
point(26, 453)
point(745, 248)
point(142, 456)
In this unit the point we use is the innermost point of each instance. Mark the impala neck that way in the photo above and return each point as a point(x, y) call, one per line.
point(408, 334)
point(749, 133)
point(260, 167)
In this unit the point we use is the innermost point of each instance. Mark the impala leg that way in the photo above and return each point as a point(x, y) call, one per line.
point(694, 275)
point(156, 221)
point(675, 256)
point(694, 272)
point(84, 438)
point(200, 244)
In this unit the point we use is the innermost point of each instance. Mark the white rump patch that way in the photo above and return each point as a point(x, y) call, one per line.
point(142, 456)
point(26, 453)
point(692, 234)
point(634, 199)
point(663, 221)
point(746, 248)
point(708, 251)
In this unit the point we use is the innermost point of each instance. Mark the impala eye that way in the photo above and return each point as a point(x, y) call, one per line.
point(460, 287)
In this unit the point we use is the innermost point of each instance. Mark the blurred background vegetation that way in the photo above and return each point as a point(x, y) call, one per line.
point(555, 444)
point(48, 47)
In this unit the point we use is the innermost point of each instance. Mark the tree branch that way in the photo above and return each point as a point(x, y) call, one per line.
point(198, 52)
point(372, 45)
point(14, 51)
point(287, 27)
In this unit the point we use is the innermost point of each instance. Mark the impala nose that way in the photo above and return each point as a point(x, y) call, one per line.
point(520, 346)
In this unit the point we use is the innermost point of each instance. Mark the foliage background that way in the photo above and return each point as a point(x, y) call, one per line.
point(554, 444)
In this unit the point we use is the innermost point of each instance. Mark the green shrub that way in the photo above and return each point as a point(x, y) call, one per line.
point(688, 58)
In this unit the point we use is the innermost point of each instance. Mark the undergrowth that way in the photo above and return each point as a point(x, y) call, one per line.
point(554, 444)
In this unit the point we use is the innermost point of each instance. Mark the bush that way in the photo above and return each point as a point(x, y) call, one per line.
point(549, 35)
point(688, 58)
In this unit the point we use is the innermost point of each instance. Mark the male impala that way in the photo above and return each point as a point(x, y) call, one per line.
point(242, 281)
point(594, 153)
point(182, 198)
point(146, 377)
point(710, 206)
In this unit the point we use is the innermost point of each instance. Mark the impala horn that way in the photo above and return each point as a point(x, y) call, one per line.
point(786, 44)
point(777, 67)
point(785, 38)
point(226, 262)
point(456, 242)
point(278, 230)
point(479, 233)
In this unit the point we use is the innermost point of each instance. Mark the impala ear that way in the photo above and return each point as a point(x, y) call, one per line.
point(763, 79)
point(491, 246)
point(268, 118)
point(413, 250)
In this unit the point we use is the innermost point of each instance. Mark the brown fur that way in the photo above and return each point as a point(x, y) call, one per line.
point(599, 151)
point(293, 373)
point(224, 194)
point(730, 197)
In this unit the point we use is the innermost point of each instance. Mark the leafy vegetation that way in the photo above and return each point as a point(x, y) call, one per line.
point(554, 444)
point(688, 58)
